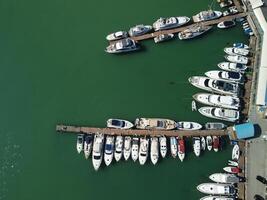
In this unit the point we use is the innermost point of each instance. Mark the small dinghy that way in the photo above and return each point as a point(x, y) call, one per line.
point(232, 67)
point(203, 143)
point(209, 142)
point(216, 143)
point(186, 126)
point(154, 150)
point(88, 145)
point(109, 150)
point(217, 189)
point(217, 198)
point(127, 147)
point(232, 163)
point(181, 148)
point(196, 146)
point(240, 45)
point(194, 106)
point(163, 37)
point(215, 126)
point(237, 59)
point(117, 35)
point(173, 144)
point(236, 51)
point(225, 76)
point(224, 178)
point(233, 170)
point(79, 143)
point(118, 148)
point(163, 146)
point(135, 148)
point(226, 24)
point(235, 152)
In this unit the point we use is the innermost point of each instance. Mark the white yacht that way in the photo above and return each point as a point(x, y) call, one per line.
point(119, 124)
point(163, 37)
point(237, 59)
point(154, 150)
point(181, 148)
point(193, 32)
point(135, 148)
point(97, 150)
point(224, 178)
point(196, 146)
point(203, 143)
point(225, 76)
point(174, 147)
point(207, 15)
point(236, 51)
point(215, 126)
point(217, 189)
point(143, 151)
point(170, 22)
point(209, 142)
point(163, 146)
point(122, 46)
point(127, 147)
point(218, 100)
point(217, 198)
point(240, 45)
point(79, 143)
point(155, 123)
point(232, 67)
point(220, 113)
point(235, 152)
point(118, 148)
point(186, 126)
point(88, 145)
point(226, 24)
point(109, 150)
point(213, 85)
point(117, 35)
point(140, 29)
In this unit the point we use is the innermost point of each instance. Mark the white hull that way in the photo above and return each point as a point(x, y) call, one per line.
point(127, 147)
point(224, 178)
point(143, 151)
point(154, 150)
point(224, 25)
point(207, 15)
point(209, 142)
point(233, 67)
point(188, 126)
point(163, 146)
point(122, 46)
point(87, 150)
point(236, 51)
point(79, 144)
point(216, 143)
point(118, 148)
point(220, 113)
point(117, 35)
point(139, 30)
point(196, 146)
point(225, 76)
point(232, 170)
point(235, 152)
point(217, 198)
point(109, 150)
point(237, 59)
point(119, 124)
point(232, 163)
point(216, 189)
point(97, 155)
point(135, 149)
point(155, 123)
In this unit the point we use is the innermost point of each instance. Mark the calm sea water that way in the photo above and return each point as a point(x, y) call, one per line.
point(53, 70)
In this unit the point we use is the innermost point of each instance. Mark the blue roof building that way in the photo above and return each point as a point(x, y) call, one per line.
point(242, 131)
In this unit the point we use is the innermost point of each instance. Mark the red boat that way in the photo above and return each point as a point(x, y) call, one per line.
point(216, 143)
point(181, 148)
point(233, 170)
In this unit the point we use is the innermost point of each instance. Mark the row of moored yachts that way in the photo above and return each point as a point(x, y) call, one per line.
point(138, 148)
point(227, 83)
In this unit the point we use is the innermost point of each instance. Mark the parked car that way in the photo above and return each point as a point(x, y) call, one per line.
point(261, 179)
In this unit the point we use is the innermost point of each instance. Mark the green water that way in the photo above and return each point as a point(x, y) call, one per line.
point(53, 70)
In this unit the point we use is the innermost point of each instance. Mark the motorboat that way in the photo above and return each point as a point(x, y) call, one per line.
point(154, 150)
point(213, 85)
point(122, 46)
point(224, 4)
point(196, 146)
point(232, 67)
point(193, 32)
point(220, 113)
point(236, 51)
point(240, 45)
point(194, 106)
point(135, 148)
point(118, 148)
point(163, 146)
point(226, 24)
point(181, 148)
point(215, 126)
point(170, 22)
point(155, 123)
point(79, 143)
point(117, 35)
point(225, 76)
point(97, 154)
point(88, 145)
point(207, 15)
point(143, 151)
point(230, 11)
point(232, 163)
point(140, 29)
point(186, 126)
point(127, 147)
point(232, 170)
point(163, 37)
point(237, 59)
point(119, 124)
point(215, 143)
point(209, 142)
point(174, 148)
point(218, 100)
point(224, 178)
point(109, 150)
point(217, 198)
point(203, 143)
point(235, 152)
point(217, 189)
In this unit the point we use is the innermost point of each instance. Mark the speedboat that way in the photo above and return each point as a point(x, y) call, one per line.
point(188, 126)
point(233, 163)
point(203, 143)
point(226, 24)
point(155, 123)
point(215, 126)
point(217, 189)
point(143, 151)
point(163, 146)
point(170, 22)
point(119, 124)
point(235, 152)
point(174, 148)
point(88, 144)
point(237, 59)
point(97, 150)
point(163, 37)
point(135, 148)
point(194, 106)
point(79, 143)
point(109, 150)
point(232, 67)
point(193, 32)
point(232, 170)
point(209, 142)
point(122, 46)
point(181, 148)
point(140, 29)
point(216, 143)
point(213, 85)
point(218, 100)
point(207, 15)
point(240, 45)
point(225, 76)
point(224, 178)
point(127, 147)
point(117, 35)
point(154, 150)
point(220, 113)
point(217, 198)
point(118, 148)
point(236, 51)
point(196, 146)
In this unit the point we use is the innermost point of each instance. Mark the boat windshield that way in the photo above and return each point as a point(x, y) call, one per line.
point(118, 123)
point(108, 147)
point(206, 82)
point(234, 75)
point(97, 157)
point(220, 74)
point(160, 124)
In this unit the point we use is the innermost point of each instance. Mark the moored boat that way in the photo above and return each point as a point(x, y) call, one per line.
point(235, 152)
point(225, 76)
point(217, 198)
point(226, 24)
point(215, 143)
point(163, 146)
point(118, 148)
point(216, 189)
point(122, 46)
point(97, 155)
point(154, 150)
point(194, 106)
point(233, 163)
point(88, 145)
point(140, 29)
point(231, 169)
point(237, 59)
point(196, 146)
point(119, 124)
point(240, 45)
point(79, 143)
point(135, 148)
point(188, 126)
point(181, 148)
point(215, 126)
point(233, 67)
point(143, 151)
point(170, 22)
point(117, 35)
point(193, 32)
point(209, 142)
point(227, 3)
point(203, 143)
point(236, 51)
point(109, 150)
point(174, 148)
point(207, 15)
point(224, 178)
point(163, 37)
point(155, 123)
point(127, 147)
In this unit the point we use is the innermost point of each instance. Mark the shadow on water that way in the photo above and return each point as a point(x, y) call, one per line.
point(257, 130)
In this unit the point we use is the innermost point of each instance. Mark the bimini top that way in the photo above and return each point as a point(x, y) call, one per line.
point(242, 131)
